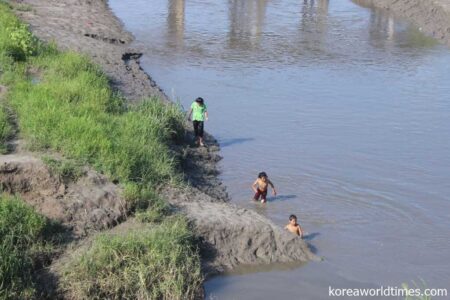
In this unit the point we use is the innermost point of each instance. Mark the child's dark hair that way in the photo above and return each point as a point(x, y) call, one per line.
point(262, 174)
point(292, 217)
point(199, 100)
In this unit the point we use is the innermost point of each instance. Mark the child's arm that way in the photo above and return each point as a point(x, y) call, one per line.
point(254, 185)
point(189, 114)
point(206, 115)
point(273, 188)
point(300, 231)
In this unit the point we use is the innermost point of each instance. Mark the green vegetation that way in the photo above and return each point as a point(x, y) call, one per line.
point(5, 127)
point(72, 110)
point(154, 263)
point(64, 169)
point(24, 244)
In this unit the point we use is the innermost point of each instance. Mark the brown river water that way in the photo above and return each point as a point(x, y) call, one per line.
point(348, 111)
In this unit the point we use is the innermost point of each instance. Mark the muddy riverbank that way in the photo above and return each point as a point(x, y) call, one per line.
point(229, 235)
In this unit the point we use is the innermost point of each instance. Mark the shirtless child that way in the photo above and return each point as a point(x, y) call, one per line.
point(293, 226)
point(260, 187)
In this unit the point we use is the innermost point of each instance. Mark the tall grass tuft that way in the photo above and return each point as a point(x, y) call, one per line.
point(6, 128)
point(154, 263)
point(23, 241)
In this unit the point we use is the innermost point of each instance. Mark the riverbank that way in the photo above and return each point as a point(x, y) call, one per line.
point(432, 16)
point(227, 235)
point(83, 161)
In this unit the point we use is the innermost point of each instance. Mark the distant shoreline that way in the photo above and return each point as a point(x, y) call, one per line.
point(431, 16)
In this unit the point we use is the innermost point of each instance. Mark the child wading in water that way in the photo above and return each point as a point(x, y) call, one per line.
point(293, 226)
point(199, 115)
point(260, 187)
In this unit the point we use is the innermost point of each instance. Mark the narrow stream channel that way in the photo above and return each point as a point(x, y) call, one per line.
point(346, 108)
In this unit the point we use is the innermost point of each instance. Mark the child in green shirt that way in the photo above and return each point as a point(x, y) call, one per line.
point(199, 115)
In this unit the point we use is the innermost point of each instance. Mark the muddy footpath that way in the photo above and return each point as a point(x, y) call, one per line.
point(89, 204)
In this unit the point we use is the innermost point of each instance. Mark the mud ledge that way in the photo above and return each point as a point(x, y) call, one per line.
point(432, 16)
point(228, 235)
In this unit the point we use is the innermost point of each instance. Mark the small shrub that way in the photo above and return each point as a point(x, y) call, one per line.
point(16, 40)
point(23, 43)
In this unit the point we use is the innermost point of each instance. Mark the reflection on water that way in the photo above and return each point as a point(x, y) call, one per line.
point(175, 23)
point(346, 108)
point(310, 14)
point(246, 23)
point(260, 35)
point(313, 26)
point(384, 30)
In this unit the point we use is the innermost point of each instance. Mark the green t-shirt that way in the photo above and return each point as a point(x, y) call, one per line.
point(198, 112)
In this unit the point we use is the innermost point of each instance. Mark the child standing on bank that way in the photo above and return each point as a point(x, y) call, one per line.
point(260, 187)
point(199, 115)
point(293, 226)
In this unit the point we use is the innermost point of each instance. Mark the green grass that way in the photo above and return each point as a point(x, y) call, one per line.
point(24, 241)
point(63, 168)
point(6, 128)
point(154, 263)
point(72, 110)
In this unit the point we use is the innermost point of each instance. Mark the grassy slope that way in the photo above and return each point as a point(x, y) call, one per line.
point(64, 103)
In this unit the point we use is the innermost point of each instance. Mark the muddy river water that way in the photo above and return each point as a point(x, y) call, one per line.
point(346, 108)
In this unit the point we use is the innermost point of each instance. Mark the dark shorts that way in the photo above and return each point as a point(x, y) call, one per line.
point(198, 128)
point(259, 193)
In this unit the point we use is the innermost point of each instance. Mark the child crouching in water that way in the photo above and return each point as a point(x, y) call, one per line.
point(260, 187)
point(293, 226)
